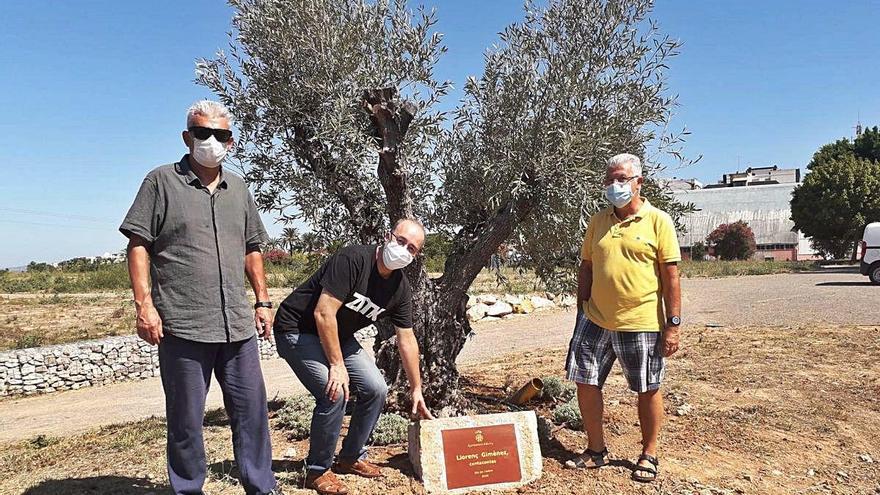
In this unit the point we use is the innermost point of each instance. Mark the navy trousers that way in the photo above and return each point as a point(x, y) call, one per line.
point(186, 368)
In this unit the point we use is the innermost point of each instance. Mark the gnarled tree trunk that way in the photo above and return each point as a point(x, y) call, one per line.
point(439, 305)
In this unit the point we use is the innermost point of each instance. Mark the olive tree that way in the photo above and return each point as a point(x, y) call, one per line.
point(336, 106)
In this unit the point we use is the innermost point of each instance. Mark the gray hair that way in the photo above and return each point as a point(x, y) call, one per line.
point(208, 108)
point(624, 159)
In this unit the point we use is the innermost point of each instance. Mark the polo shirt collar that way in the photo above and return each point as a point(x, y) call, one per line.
point(643, 210)
point(185, 170)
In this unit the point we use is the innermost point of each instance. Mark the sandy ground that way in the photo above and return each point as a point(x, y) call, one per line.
point(828, 298)
point(772, 410)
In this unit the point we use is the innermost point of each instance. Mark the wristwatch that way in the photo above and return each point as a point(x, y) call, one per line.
point(263, 304)
point(673, 321)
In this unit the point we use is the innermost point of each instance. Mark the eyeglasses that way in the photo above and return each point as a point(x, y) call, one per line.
point(203, 133)
point(413, 250)
point(619, 180)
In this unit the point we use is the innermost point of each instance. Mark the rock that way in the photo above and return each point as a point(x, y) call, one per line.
point(487, 299)
point(477, 312)
point(541, 303)
point(776, 472)
point(511, 299)
point(747, 477)
point(524, 307)
point(866, 458)
point(499, 309)
point(290, 453)
point(476, 453)
point(472, 301)
point(811, 473)
point(683, 410)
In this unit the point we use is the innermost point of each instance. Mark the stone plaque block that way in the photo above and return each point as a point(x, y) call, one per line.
point(468, 453)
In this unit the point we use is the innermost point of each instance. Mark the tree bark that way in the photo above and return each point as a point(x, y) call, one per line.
point(440, 318)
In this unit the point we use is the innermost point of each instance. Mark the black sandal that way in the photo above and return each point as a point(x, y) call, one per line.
point(580, 462)
point(652, 471)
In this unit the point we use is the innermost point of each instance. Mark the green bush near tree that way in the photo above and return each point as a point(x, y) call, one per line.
point(391, 429)
point(295, 416)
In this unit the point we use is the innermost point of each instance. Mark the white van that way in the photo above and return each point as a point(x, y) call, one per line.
point(870, 252)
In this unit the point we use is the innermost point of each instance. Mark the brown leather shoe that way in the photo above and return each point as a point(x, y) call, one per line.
point(325, 483)
point(360, 468)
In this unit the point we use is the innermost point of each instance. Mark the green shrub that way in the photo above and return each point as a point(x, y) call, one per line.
point(557, 389)
point(698, 251)
point(42, 441)
point(391, 429)
point(295, 416)
point(568, 414)
point(28, 340)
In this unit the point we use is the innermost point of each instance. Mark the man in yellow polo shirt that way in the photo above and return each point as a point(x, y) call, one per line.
point(629, 310)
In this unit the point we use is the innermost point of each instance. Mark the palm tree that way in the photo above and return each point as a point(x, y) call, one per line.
point(291, 238)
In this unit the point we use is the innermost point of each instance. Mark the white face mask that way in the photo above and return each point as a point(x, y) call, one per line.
point(395, 256)
point(209, 152)
point(619, 195)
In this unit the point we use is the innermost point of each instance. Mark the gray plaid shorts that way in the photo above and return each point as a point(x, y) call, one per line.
point(593, 349)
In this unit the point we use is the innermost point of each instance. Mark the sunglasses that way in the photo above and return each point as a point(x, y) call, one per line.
point(203, 133)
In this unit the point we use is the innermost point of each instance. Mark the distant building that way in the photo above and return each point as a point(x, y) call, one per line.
point(760, 197)
point(676, 184)
point(760, 176)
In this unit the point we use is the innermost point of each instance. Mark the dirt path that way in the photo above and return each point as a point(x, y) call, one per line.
point(833, 298)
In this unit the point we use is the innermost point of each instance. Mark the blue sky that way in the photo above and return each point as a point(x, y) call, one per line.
point(93, 94)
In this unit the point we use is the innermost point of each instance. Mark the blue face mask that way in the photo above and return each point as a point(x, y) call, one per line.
point(619, 195)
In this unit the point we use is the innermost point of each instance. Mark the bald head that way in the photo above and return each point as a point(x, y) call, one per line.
point(412, 231)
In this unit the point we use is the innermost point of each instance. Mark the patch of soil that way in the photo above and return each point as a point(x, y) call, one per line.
point(770, 410)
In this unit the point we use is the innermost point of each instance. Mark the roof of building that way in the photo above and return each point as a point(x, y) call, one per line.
point(765, 208)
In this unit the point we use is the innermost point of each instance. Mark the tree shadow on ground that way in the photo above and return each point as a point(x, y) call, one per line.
point(553, 449)
point(400, 462)
point(844, 284)
point(229, 470)
point(117, 485)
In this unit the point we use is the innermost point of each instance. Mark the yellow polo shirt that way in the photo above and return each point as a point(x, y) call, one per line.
point(626, 295)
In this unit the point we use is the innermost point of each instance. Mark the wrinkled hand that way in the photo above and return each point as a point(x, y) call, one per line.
point(419, 407)
point(264, 319)
point(338, 382)
point(149, 325)
point(670, 340)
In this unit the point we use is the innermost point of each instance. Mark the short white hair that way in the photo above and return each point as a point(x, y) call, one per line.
point(208, 108)
point(624, 159)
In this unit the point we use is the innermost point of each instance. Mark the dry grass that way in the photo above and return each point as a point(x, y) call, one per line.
point(769, 404)
point(30, 320)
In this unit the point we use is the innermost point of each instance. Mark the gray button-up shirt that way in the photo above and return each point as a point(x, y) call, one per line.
point(198, 243)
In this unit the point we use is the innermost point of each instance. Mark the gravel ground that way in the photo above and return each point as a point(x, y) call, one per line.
point(834, 297)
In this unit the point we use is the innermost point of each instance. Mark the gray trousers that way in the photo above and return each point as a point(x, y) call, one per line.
point(304, 354)
point(186, 368)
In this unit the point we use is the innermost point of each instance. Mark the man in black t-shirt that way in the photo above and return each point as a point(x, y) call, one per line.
point(315, 327)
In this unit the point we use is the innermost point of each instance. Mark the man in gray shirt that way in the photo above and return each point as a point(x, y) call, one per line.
point(194, 233)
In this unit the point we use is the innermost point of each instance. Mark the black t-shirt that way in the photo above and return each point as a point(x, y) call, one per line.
point(352, 276)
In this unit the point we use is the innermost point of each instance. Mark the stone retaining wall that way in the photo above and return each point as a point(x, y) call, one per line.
point(94, 362)
point(100, 362)
point(82, 364)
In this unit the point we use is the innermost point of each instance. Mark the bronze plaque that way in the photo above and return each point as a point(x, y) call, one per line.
point(484, 455)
